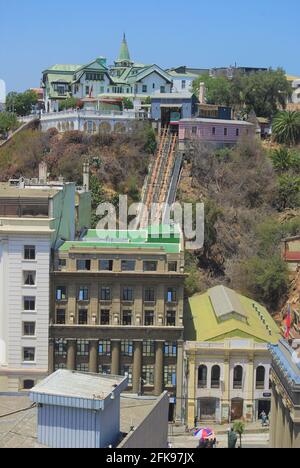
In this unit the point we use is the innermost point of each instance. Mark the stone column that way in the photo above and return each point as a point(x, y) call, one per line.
point(250, 387)
point(226, 404)
point(191, 410)
point(279, 424)
point(137, 367)
point(51, 358)
point(93, 357)
point(287, 437)
point(273, 419)
point(71, 355)
point(159, 368)
point(115, 357)
point(179, 386)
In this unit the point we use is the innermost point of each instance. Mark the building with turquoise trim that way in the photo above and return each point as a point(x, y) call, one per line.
point(125, 78)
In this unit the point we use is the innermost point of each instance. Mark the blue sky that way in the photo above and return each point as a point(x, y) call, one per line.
point(35, 35)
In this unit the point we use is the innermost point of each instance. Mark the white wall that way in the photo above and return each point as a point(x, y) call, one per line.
point(153, 82)
point(178, 86)
point(12, 315)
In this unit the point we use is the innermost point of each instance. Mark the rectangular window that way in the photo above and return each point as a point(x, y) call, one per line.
point(83, 293)
point(237, 132)
point(62, 263)
point(214, 130)
point(127, 318)
point(150, 266)
point(171, 295)
point(170, 376)
point(105, 348)
point(106, 265)
point(83, 265)
point(148, 375)
point(225, 131)
point(149, 318)
point(87, 90)
point(29, 304)
point(82, 317)
point(105, 294)
point(29, 252)
point(162, 89)
point(28, 354)
point(82, 367)
point(148, 348)
point(183, 84)
point(29, 329)
point(127, 348)
point(105, 317)
point(172, 267)
point(194, 130)
point(60, 348)
point(171, 318)
point(145, 89)
point(128, 265)
point(83, 348)
point(128, 294)
point(170, 349)
point(29, 278)
point(61, 293)
point(60, 317)
point(60, 365)
point(150, 295)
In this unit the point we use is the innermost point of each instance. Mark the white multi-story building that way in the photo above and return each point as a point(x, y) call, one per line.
point(34, 219)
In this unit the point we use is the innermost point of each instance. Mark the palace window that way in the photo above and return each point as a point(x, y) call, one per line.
point(150, 295)
point(127, 318)
point(105, 317)
point(171, 318)
point(104, 369)
point(29, 304)
point(28, 354)
point(105, 348)
point(82, 367)
point(83, 293)
point(28, 384)
point(215, 377)
point(128, 294)
point(128, 265)
point(127, 348)
point(148, 375)
point(29, 329)
point(172, 267)
point(127, 372)
point(148, 348)
point(105, 294)
point(202, 377)
point(238, 378)
point(260, 378)
point(60, 348)
point(149, 318)
point(171, 295)
point(29, 252)
point(83, 265)
point(170, 349)
point(170, 376)
point(61, 293)
point(61, 317)
point(106, 265)
point(150, 266)
point(83, 347)
point(82, 317)
point(29, 278)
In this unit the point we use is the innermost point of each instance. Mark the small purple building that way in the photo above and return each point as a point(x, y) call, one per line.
point(215, 131)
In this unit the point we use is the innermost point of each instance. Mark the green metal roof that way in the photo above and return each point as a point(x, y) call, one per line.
point(64, 68)
point(202, 322)
point(167, 248)
point(124, 55)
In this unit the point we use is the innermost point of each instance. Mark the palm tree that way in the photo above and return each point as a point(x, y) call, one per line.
point(239, 427)
point(286, 128)
point(282, 159)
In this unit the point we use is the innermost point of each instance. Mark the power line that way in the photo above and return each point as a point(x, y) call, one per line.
point(18, 411)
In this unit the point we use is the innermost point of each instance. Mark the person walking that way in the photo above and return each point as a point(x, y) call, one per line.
point(232, 439)
point(263, 418)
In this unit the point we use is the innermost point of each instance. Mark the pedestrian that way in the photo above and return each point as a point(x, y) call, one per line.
point(232, 439)
point(196, 422)
point(264, 418)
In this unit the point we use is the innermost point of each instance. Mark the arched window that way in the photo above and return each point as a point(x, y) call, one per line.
point(202, 377)
point(238, 378)
point(260, 378)
point(215, 377)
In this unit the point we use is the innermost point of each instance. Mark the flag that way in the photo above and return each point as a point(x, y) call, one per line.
point(288, 322)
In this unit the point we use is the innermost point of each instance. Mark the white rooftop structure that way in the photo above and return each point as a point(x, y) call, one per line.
point(2, 94)
point(226, 303)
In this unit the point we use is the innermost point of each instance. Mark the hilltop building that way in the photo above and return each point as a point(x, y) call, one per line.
point(285, 378)
point(228, 361)
point(36, 216)
point(117, 308)
point(124, 78)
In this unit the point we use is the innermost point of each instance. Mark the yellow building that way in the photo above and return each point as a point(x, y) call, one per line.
point(227, 358)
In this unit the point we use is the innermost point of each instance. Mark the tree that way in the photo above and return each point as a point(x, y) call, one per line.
point(218, 90)
point(21, 103)
point(239, 427)
point(288, 192)
point(127, 103)
point(8, 121)
point(283, 159)
point(286, 128)
point(70, 103)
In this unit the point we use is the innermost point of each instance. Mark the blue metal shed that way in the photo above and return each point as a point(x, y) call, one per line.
point(77, 410)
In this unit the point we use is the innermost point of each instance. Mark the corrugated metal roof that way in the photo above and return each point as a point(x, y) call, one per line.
point(226, 302)
point(217, 121)
point(80, 390)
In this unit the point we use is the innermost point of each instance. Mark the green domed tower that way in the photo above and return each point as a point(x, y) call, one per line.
point(124, 56)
